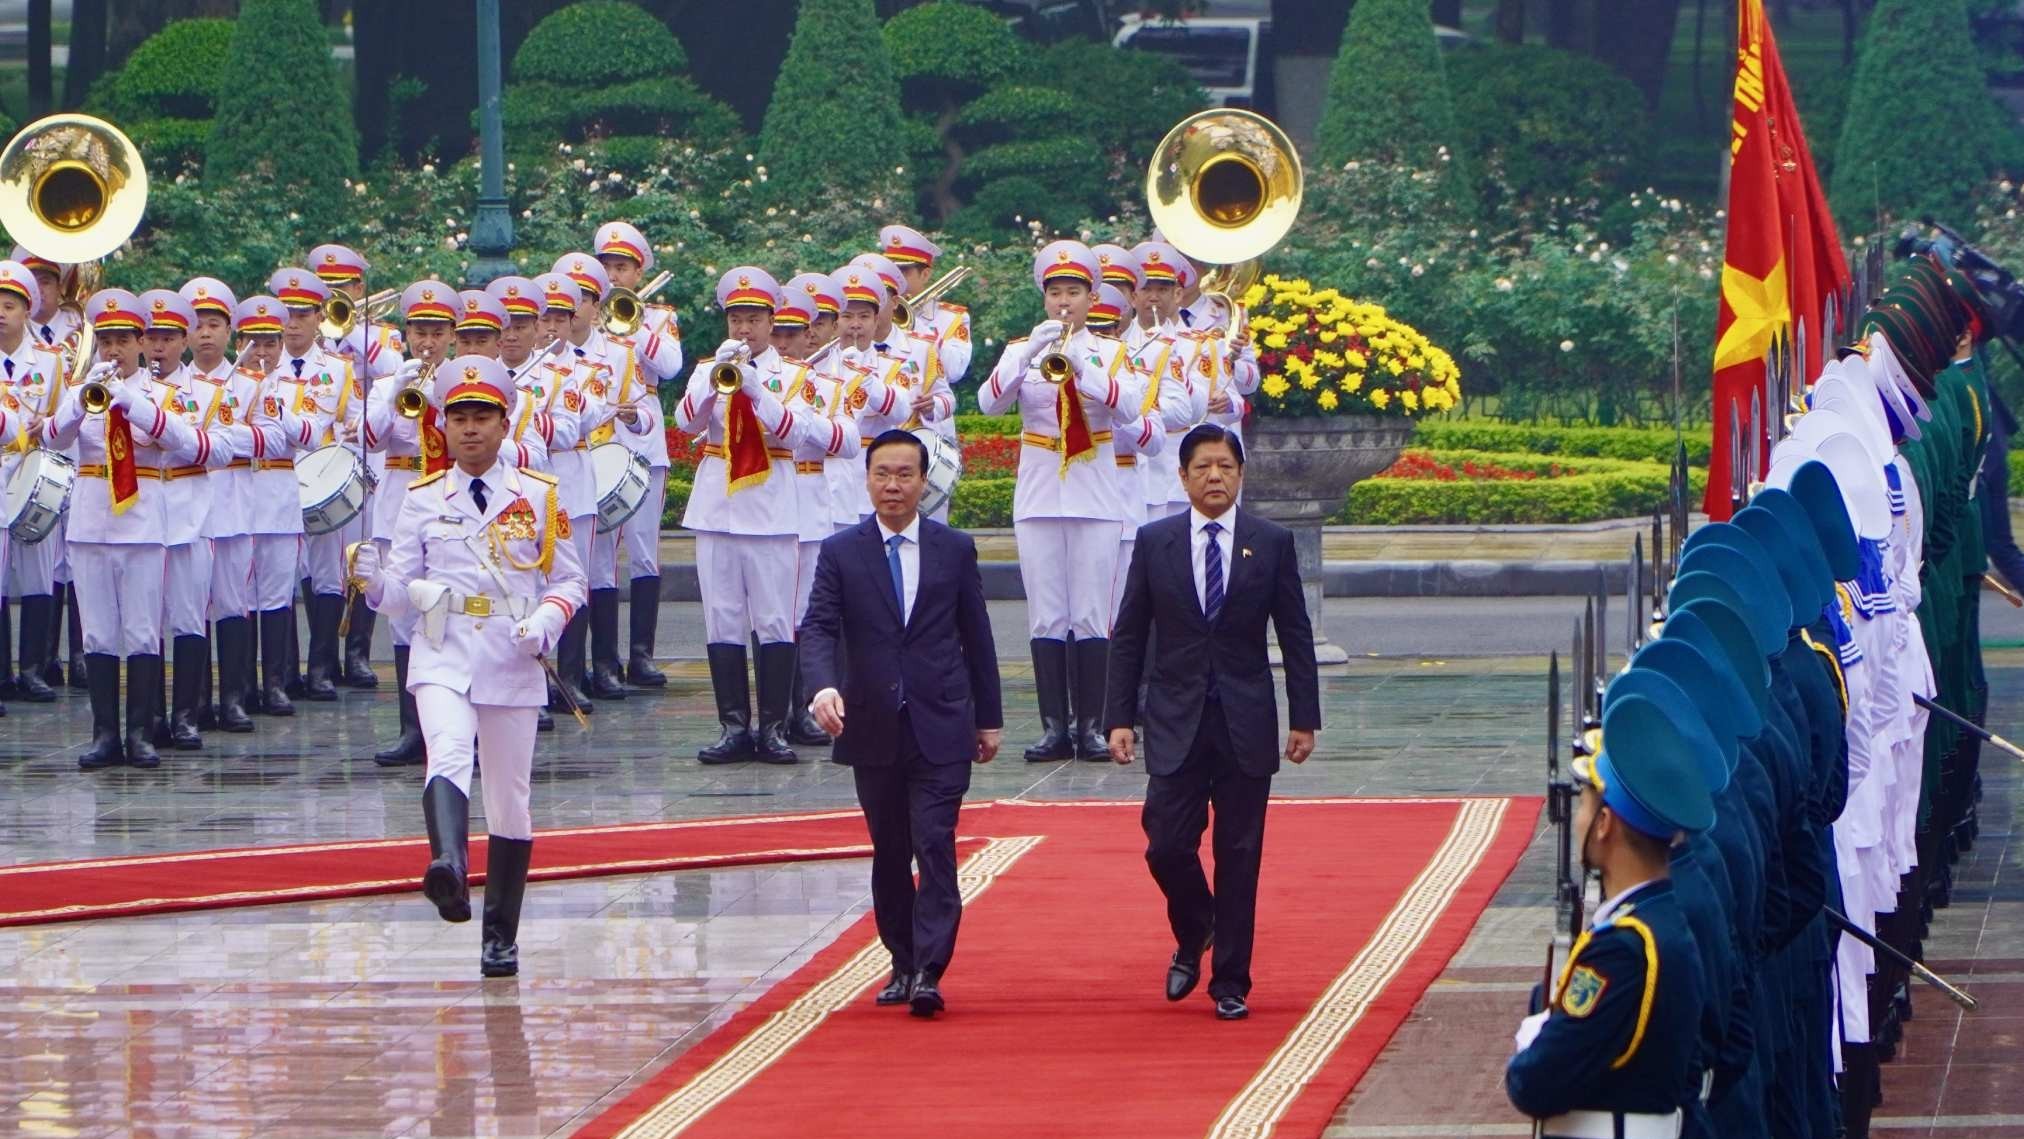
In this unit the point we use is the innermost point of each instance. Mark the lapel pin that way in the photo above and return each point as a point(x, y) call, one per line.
point(1247, 551)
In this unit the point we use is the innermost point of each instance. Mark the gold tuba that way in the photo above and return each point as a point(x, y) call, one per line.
point(626, 309)
point(903, 308)
point(1224, 187)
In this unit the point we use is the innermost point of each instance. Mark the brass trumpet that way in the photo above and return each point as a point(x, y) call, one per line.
point(728, 376)
point(626, 309)
point(1055, 366)
point(413, 398)
point(904, 308)
point(340, 312)
point(95, 397)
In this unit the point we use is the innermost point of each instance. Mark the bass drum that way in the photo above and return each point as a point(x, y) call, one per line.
point(621, 477)
point(38, 494)
point(334, 483)
point(945, 467)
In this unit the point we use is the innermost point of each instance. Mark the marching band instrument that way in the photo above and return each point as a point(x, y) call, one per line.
point(72, 188)
point(95, 397)
point(945, 467)
point(626, 309)
point(38, 494)
point(547, 350)
point(340, 312)
point(905, 308)
point(1224, 187)
point(333, 482)
point(727, 376)
point(413, 398)
point(621, 477)
point(1055, 366)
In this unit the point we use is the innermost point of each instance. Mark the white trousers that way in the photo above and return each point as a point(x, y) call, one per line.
point(748, 585)
point(804, 578)
point(640, 538)
point(231, 576)
point(31, 569)
point(323, 555)
point(59, 545)
point(119, 597)
point(505, 739)
point(186, 590)
point(274, 579)
point(1067, 566)
point(1124, 550)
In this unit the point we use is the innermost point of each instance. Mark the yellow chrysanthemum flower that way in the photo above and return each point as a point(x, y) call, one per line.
point(1352, 381)
point(1326, 400)
point(1379, 397)
point(1411, 400)
point(1274, 386)
point(1276, 340)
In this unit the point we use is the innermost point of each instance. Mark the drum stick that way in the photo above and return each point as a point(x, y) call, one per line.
point(2005, 592)
point(582, 721)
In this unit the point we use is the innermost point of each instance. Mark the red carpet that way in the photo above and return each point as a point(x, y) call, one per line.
point(1057, 1024)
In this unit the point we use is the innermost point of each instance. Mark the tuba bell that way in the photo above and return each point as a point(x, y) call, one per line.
point(72, 188)
point(1224, 187)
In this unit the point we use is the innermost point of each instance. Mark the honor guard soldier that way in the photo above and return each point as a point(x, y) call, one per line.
point(226, 525)
point(627, 258)
point(187, 502)
point(55, 327)
point(573, 377)
point(480, 329)
point(117, 522)
point(482, 569)
point(1165, 411)
point(1163, 351)
point(876, 389)
point(1121, 271)
point(412, 447)
point(374, 349)
point(745, 511)
point(1615, 1051)
point(934, 399)
point(622, 381)
point(33, 383)
point(1072, 387)
point(330, 393)
point(827, 297)
point(942, 321)
point(288, 421)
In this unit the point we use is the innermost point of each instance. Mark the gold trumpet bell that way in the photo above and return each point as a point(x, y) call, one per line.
point(72, 188)
point(1224, 186)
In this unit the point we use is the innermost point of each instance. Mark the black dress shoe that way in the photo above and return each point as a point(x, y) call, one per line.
point(1183, 973)
point(927, 998)
point(1231, 1008)
point(899, 990)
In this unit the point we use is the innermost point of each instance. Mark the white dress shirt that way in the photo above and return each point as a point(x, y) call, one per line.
point(495, 483)
point(1199, 546)
point(910, 561)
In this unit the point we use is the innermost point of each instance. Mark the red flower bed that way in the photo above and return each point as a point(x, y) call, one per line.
point(991, 456)
point(1423, 466)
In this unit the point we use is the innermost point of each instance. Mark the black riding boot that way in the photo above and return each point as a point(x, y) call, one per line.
point(569, 657)
point(409, 750)
point(207, 707)
point(734, 705)
point(9, 686)
point(645, 617)
point(1050, 679)
point(326, 610)
point(235, 679)
point(505, 885)
point(101, 673)
point(776, 689)
point(143, 698)
point(193, 661)
point(37, 611)
point(75, 624)
point(52, 650)
point(802, 729)
point(607, 675)
point(358, 671)
point(277, 648)
point(1092, 662)
point(447, 813)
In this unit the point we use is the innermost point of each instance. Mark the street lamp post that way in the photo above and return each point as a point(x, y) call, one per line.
point(492, 224)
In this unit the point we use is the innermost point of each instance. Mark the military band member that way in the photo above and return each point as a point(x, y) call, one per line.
point(374, 349)
point(54, 326)
point(117, 522)
point(876, 389)
point(941, 320)
point(573, 377)
point(412, 447)
point(187, 502)
point(745, 511)
point(34, 380)
point(827, 297)
point(480, 331)
point(481, 567)
point(934, 399)
point(627, 258)
point(1121, 271)
point(1071, 388)
point(231, 597)
point(288, 420)
point(1165, 412)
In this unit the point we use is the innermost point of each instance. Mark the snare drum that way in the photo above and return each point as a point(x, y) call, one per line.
point(622, 477)
point(945, 466)
point(334, 484)
point(38, 494)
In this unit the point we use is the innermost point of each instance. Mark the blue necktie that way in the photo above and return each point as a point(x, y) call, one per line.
point(48, 335)
point(899, 576)
point(10, 369)
point(880, 346)
point(1212, 574)
point(298, 367)
point(478, 494)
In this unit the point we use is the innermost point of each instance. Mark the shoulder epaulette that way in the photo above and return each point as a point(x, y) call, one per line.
point(952, 306)
point(537, 476)
point(427, 479)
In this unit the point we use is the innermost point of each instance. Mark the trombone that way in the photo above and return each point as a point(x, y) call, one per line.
point(729, 375)
point(413, 398)
point(340, 312)
point(906, 308)
point(626, 309)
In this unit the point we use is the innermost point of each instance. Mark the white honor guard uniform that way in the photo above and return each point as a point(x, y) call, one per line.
point(288, 420)
point(117, 529)
point(878, 389)
point(1068, 503)
point(820, 394)
point(526, 435)
point(482, 566)
point(934, 398)
point(1166, 410)
point(227, 526)
point(745, 510)
point(822, 294)
point(942, 321)
point(43, 568)
point(31, 378)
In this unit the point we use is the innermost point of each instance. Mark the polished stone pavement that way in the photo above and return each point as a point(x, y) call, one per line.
point(365, 1016)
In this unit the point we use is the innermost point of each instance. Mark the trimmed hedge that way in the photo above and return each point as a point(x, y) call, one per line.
point(283, 118)
point(1624, 493)
point(1638, 444)
point(982, 504)
point(969, 425)
point(674, 504)
point(834, 119)
point(598, 43)
point(1388, 97)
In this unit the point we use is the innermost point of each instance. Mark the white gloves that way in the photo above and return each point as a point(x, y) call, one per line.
point(1044, 336)
point(537, 634)
point(127, 392)
point(1528, 1030)
point(728, 351)
point(365, 564)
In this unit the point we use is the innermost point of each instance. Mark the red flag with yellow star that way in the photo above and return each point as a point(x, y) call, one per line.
point(1783, 258)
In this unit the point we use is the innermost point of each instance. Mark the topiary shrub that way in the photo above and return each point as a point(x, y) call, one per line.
point(1388, 97)
point(603, 68)
point(834, 120)
point(283, 117)
point(166, 93)
point(1539, 123)
point(598, 43)
point(1126, 112)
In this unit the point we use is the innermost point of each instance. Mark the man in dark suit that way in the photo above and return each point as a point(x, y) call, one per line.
point(914, 703)
point(1205, 582)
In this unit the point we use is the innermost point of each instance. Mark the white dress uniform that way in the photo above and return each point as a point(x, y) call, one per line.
point(942, 321)
point(657, 349)
point(746, 512)
point(1169, 406)
point(482, 566)
point(31, 377)
point(877, 388)
point(189, 490)
point(288, 421)
point(1067, 508)
point(922, 369)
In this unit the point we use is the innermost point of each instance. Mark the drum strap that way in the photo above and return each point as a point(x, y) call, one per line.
point(217, 397)
point(1152, 399)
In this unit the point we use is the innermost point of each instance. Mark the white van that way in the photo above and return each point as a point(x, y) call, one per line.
point(1231, 57)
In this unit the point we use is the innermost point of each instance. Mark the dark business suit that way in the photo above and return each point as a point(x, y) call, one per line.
point(914, 695)
point(1211, 722)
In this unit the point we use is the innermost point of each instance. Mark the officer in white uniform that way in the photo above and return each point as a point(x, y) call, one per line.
point(627, 257)
point(1068, 504)
point(33, 382)
point(226, 525)
point(46, 570)
point(187, 503)
point(934, 399)
point(745, 510)
point(118, 517)
point(482, 569)
point(289, 418)
point(1121, 271)
point(877, 388)
point(942, 321)
point(1166, 411)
